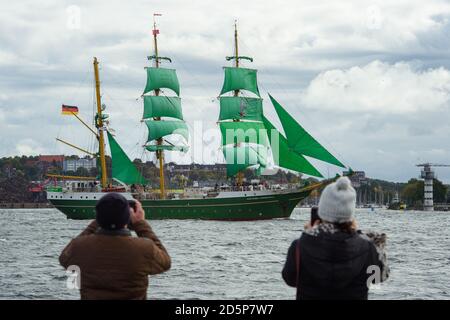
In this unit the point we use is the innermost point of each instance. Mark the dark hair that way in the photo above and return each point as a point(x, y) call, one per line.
point(112, 211)
point(346, 227)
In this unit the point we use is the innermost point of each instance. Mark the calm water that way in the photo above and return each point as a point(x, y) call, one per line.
point(225, 260)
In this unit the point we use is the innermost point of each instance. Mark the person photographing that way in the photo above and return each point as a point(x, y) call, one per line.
point(333, 259)
point(112, 263)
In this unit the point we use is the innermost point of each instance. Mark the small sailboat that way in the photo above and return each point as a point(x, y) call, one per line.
point(248, 138)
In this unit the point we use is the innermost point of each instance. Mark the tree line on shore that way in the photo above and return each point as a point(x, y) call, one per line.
point(18, 175)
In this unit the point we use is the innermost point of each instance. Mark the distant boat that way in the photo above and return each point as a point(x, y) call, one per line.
point(396, 203)
point(237, 113)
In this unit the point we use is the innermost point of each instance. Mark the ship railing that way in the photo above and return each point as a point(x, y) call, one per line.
point(237, 188)
point(154, 196)
point(81, 189)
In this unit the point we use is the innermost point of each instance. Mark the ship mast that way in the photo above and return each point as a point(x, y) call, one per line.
point(240, 175)
point(236, 57)
point(99, 126)
point(159, 153)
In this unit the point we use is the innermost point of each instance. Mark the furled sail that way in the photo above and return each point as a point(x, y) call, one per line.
point(240, 108)
point(283, 156)
point(158, 78)
point(301, 141)
point(155, 147)
point(123, 169)
point(161, 106)
point(240, 79)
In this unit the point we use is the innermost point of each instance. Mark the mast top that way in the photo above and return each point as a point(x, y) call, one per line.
point(155, 43)
point(236, 53)
point(154, 23)
point(155, 33)
point(236, 56)
point(99, 124)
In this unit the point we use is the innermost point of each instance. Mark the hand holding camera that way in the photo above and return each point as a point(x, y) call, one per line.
point(314, 220)
point(136, 211)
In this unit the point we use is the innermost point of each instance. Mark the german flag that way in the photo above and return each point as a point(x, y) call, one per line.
point(69, 109)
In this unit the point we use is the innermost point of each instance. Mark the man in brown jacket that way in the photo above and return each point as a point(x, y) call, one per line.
point(112, 263)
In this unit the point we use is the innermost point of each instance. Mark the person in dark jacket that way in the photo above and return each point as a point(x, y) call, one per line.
point(332, 259)
point(112, 263)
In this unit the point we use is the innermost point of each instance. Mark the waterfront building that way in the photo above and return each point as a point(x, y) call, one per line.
point(74, 164)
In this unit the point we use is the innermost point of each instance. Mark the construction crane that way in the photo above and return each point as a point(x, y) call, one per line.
point(427, 174)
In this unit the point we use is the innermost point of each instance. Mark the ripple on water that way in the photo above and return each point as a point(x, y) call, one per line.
point(225, 260)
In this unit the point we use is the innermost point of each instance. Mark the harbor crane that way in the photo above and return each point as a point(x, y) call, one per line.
point(427, 174)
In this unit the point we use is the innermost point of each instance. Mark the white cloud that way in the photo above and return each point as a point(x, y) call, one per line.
point(28, 147)
point(380, 87)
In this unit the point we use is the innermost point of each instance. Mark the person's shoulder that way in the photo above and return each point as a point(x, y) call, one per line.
point(306, 237)
point(141, 241)
point(315, 231)
point(85, 238)
point(376, 241)
point(82, 243)
point(365, 242)
point(294, 244)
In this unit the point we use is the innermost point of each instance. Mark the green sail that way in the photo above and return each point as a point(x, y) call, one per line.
point(240, 108)
point(238, 79)
point(159, 129)
point(161, 106)
point(283, 155)
point(158, 78)
point(240, 158)
point(301, 141)
point(122, 168)
point(234, 132)
point(155, 147)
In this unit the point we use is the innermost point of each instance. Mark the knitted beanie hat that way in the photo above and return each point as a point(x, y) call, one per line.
point(337, 202)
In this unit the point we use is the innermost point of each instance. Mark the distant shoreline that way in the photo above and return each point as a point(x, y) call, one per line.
point(25, 205)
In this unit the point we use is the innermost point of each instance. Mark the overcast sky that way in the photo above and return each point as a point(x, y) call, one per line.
point(369, 79)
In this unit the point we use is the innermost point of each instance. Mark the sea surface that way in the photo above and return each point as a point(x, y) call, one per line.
point(225, 260)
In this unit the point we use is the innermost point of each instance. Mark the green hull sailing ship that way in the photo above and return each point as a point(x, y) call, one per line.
point(248, 138)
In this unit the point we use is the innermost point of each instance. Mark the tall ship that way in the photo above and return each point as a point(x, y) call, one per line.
point(248, 139)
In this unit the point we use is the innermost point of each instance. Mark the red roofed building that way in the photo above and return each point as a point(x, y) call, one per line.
point(47, 162)
point(31, 162)
point(51, 158)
